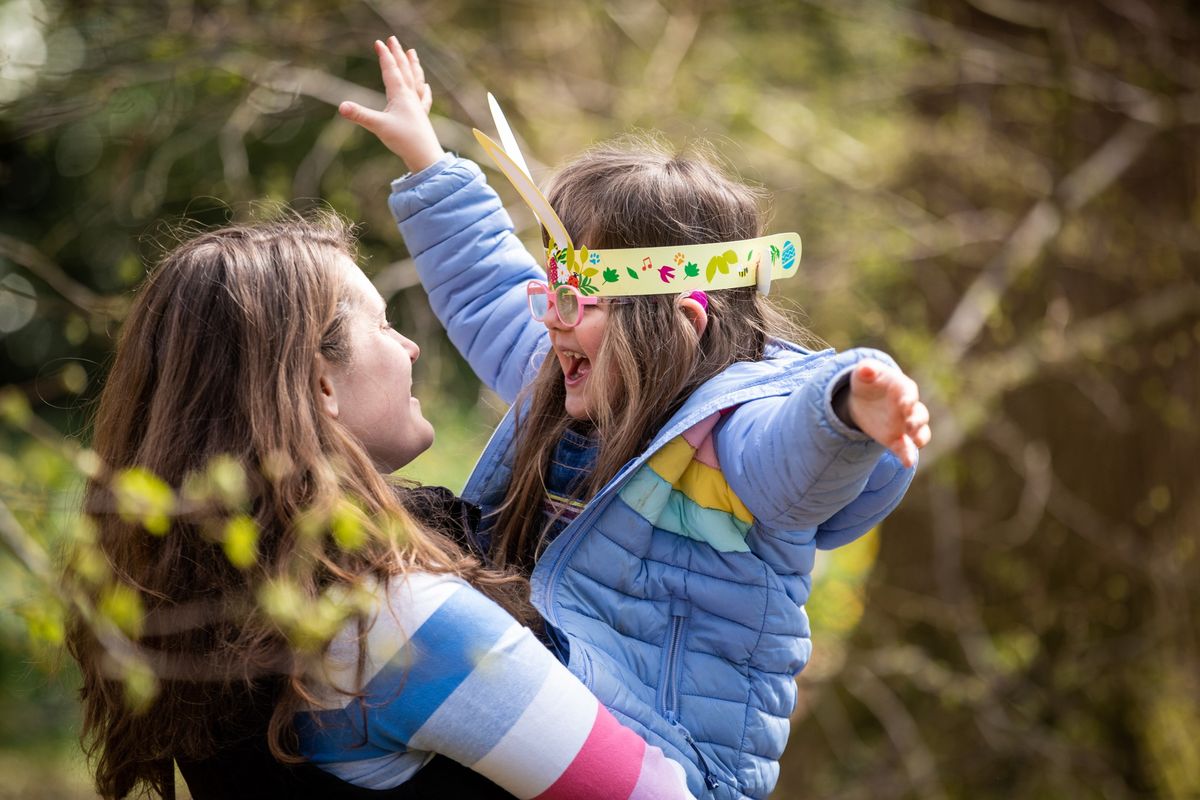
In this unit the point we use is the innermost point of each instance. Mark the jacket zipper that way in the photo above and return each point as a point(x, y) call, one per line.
point(669, 696)
point(709, 780)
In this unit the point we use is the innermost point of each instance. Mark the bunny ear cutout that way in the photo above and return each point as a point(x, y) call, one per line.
point(527, 189)
point(507, 139)
point(510, 161)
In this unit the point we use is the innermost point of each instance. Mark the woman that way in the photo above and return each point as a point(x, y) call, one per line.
point(361, 638)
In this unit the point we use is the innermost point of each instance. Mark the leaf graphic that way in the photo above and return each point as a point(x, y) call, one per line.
point(632, 273)
point(611, 275)
point(692, 269)
point(730, 257)
point(590, 272)
point(715, 263)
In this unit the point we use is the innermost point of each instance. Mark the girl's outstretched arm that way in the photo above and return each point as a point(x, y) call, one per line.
point(447, 671)
point(472, 265)
point(796, 462)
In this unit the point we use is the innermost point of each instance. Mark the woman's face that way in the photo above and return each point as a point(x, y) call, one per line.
point(371, 394)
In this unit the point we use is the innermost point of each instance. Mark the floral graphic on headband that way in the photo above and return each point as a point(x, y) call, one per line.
point(566, 266)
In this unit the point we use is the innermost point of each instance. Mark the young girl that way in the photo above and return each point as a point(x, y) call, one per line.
point(668, 472)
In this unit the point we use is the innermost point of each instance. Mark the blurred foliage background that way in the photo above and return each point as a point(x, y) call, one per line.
point(1005, 194)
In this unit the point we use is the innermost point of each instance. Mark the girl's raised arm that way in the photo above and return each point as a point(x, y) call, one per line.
point(470, 262)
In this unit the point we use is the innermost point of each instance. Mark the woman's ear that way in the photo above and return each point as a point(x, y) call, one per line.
point(325, 388)
point(695, 312)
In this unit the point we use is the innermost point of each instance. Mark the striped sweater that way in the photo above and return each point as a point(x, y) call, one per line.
point(447, 671)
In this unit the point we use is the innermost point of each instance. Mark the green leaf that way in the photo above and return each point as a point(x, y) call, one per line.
point(611, 275)
point(346, 526)
point(14, 408)
point(632, 273)
point(774, 254)
point(587, 287)
point(692, 269)
point(122, 606)
point(144, 498)
point(228, 480)
point(140, 685)
point(715, 263)
point(241, 541)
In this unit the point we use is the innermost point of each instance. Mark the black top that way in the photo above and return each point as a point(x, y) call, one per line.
point(244, 769)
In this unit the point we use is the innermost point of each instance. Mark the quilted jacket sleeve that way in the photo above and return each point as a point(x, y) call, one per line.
point(797, 466)
point(474, 269)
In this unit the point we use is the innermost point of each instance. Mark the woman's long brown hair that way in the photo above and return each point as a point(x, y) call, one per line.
point(637, 192)
point(217, 359)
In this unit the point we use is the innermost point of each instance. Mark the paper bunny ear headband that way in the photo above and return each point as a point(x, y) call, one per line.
point(641, 270)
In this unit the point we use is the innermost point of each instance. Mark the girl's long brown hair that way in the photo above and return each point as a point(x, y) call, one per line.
point(636, 192)
point(217, 359)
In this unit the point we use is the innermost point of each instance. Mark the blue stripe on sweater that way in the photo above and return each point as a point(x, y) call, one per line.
point(436, 660)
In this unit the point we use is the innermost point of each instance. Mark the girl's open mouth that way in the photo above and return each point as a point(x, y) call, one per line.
point(575, 366)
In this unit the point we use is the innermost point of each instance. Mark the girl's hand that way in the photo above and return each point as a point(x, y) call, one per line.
point(885, 404)
point(403, 126)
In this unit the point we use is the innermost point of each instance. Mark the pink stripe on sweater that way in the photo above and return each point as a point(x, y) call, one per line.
point(609, 763)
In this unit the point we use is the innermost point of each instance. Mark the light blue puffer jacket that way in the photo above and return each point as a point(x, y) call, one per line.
point(694, 646)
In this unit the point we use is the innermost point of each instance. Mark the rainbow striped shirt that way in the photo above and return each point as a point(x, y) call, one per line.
point(448, 671)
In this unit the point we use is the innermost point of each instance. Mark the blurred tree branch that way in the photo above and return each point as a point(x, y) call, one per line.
point(80, 296)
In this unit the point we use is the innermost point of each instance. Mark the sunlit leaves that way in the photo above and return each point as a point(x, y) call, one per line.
point(346, 525)
point(143, 498)
point(240, 541)
point(14, 408)
point(140, 685)
point(122, 605)
point(310, 622)
point(221, 484)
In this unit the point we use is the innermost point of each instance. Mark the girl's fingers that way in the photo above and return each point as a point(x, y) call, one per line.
point(917, 418)
point(362, 116)
point(392, 78)
point(905, 450)
point(922, 436)
point(426, 97)
point(401, 59)
point(414, 63)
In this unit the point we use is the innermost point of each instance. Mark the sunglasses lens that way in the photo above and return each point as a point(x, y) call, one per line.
point(567, 303)
point(539, 302)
